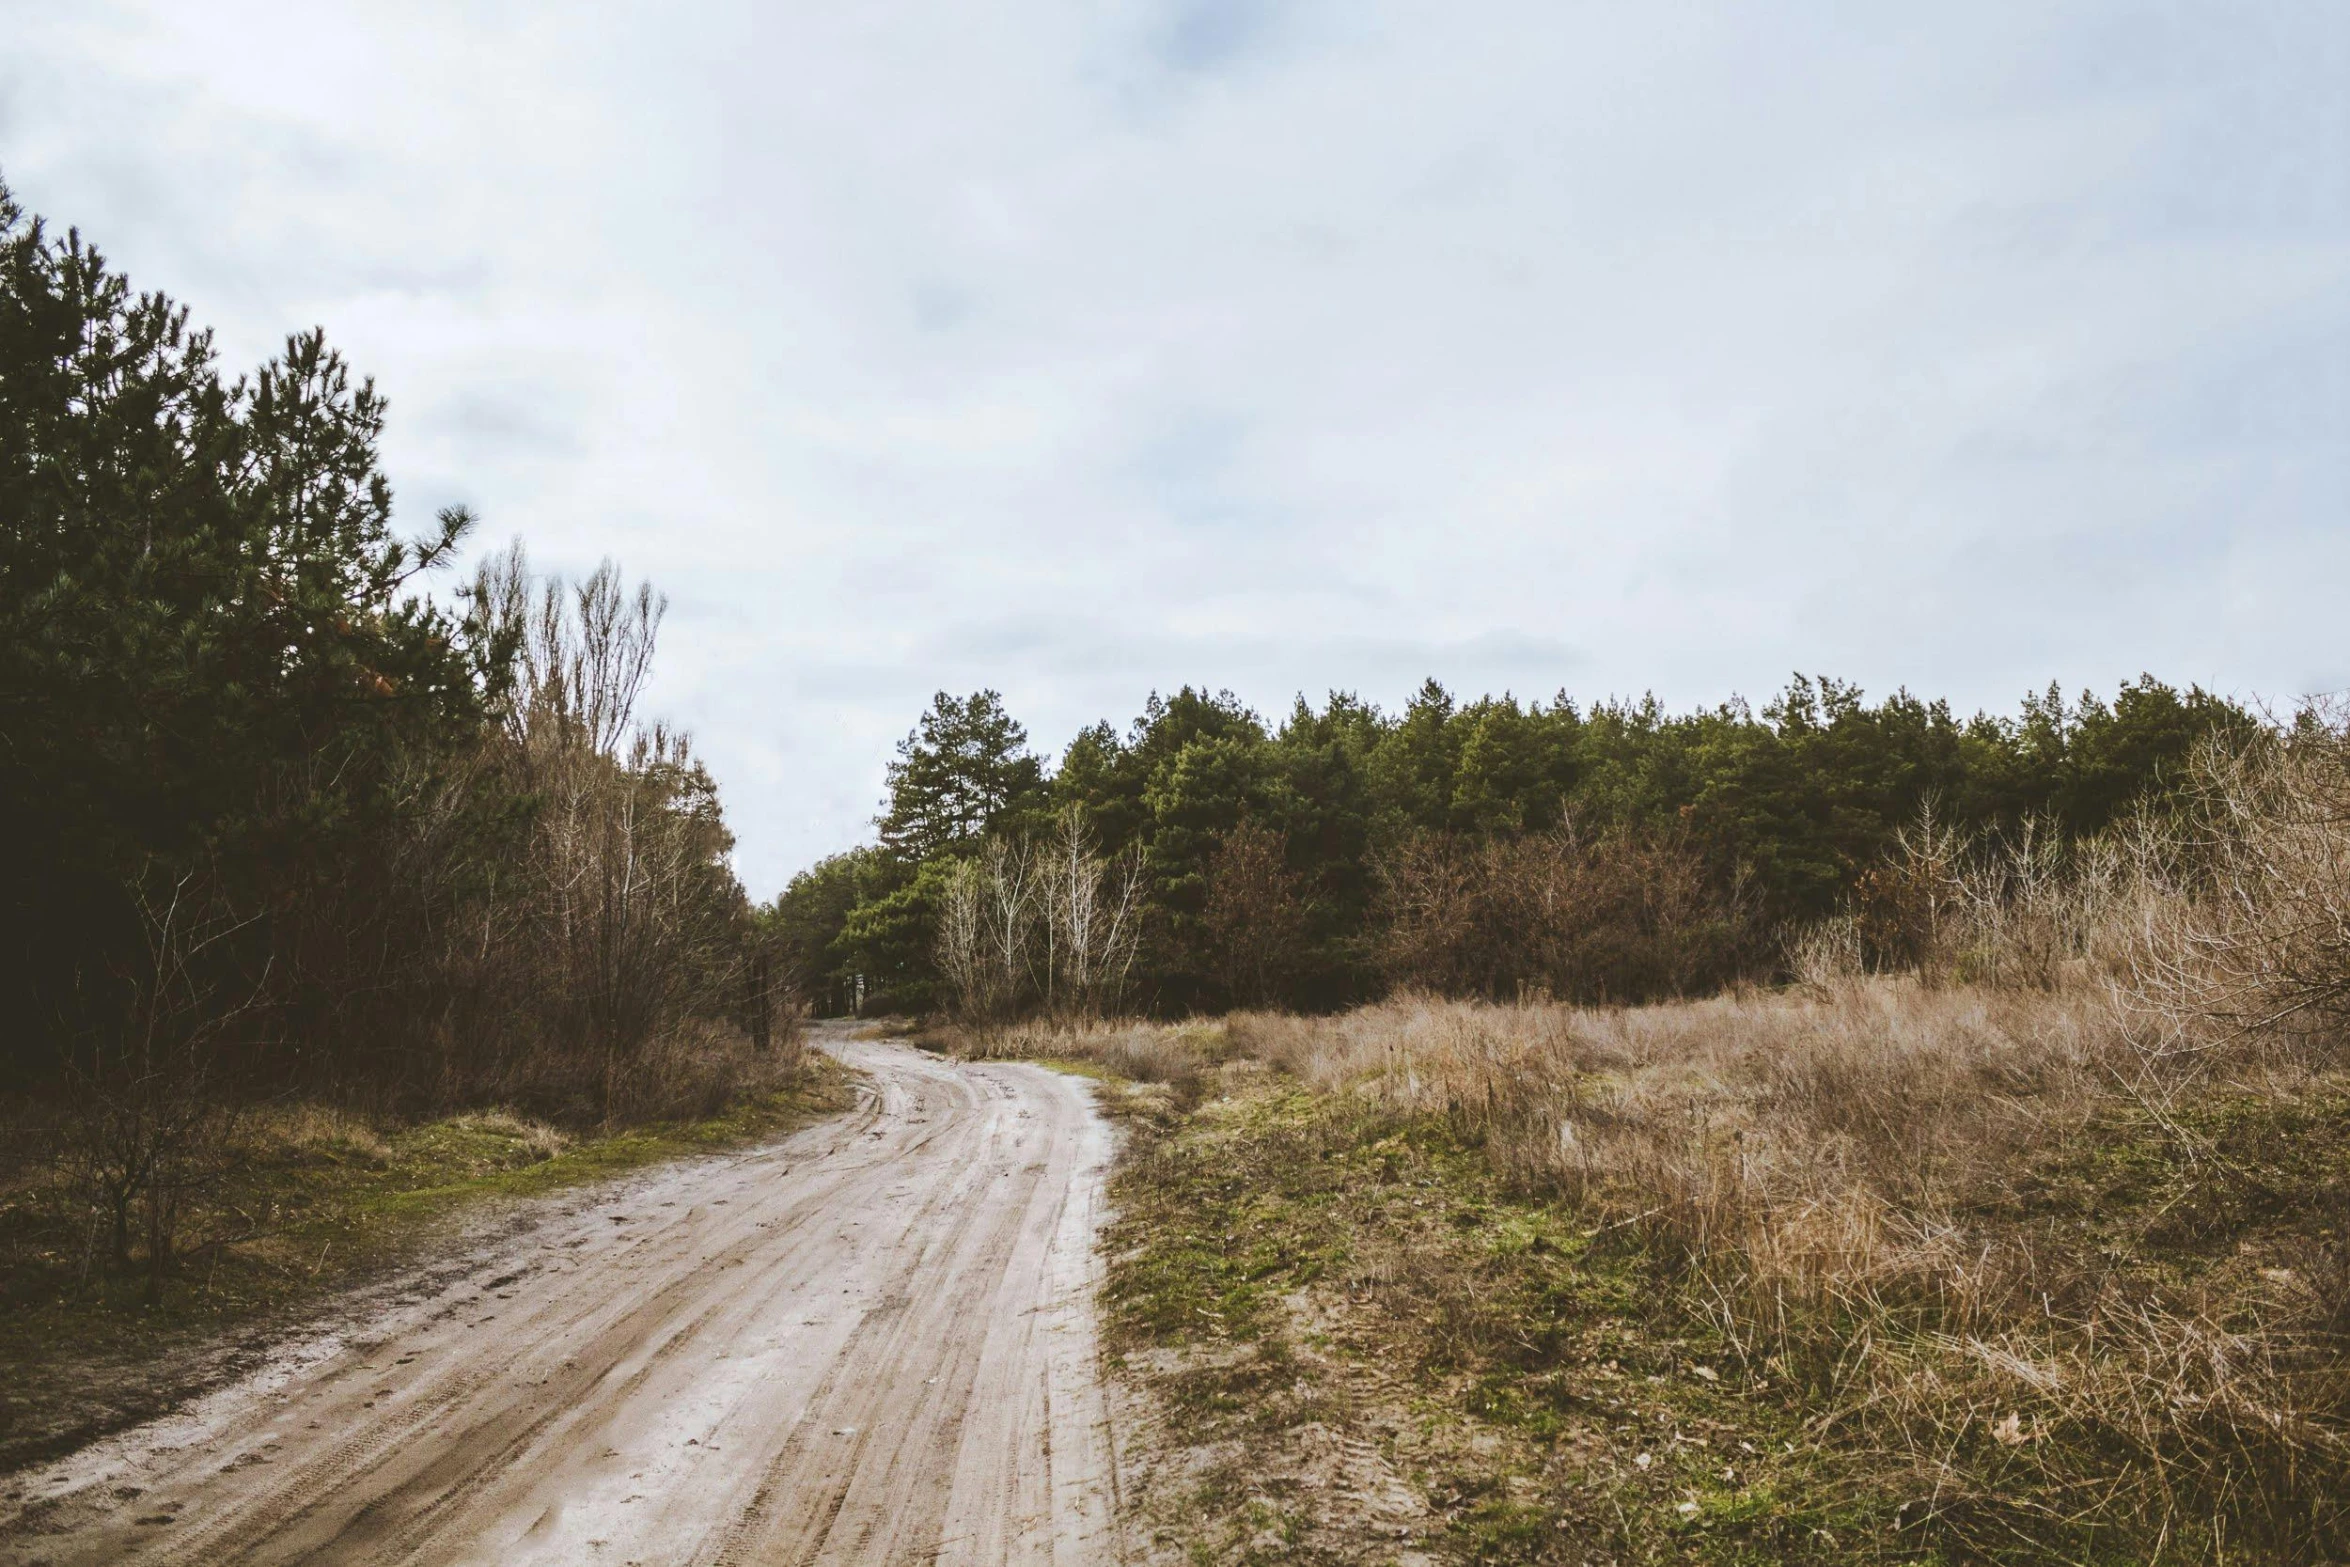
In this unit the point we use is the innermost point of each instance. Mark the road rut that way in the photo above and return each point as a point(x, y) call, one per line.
point(872, 1342)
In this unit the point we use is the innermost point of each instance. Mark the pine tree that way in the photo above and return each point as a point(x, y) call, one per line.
point(964, 771)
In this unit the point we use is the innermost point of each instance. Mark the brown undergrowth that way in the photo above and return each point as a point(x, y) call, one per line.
point(1339, 1334)
point(2058, 1317)
point(1160, 1069)
point(1360, 1345)
point(1966, 1287)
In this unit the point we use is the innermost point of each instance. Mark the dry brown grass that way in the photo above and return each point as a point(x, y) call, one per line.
point(2057, 1219)
point(305, 1128)
point(1884, 1087)
point(1176, 1055)
point(690, 1071)
point(537, 1139)
point(1854, 1185)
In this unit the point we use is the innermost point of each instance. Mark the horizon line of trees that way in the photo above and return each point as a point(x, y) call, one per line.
point(1611, 853)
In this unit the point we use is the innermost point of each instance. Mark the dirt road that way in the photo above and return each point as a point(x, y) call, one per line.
point(872, 1342)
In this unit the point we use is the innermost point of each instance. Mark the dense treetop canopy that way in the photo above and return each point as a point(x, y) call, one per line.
point(1783, 808)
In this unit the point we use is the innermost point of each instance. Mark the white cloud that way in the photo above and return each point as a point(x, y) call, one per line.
point(1077, 350)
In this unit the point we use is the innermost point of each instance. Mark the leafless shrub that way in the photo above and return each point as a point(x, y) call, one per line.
point(699, 1068)
point(2026, 910)
point(1255, 917)
point(146, 1121)
point(2020, 909)
point(2268, 950)
point(1904, 908)
point(1610, 916)
point(1827, 955)
point(693, 1068)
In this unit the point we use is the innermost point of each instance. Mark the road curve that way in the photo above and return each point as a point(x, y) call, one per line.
point(872, 1342)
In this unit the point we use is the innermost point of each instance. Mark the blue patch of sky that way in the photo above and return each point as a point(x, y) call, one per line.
point(1202, 36)
point(940, 307)
point(1185, 469)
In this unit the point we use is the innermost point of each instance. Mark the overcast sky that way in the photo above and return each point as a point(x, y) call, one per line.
point(1078, 350)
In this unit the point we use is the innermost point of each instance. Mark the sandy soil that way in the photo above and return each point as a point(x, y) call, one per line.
point(871, 1342)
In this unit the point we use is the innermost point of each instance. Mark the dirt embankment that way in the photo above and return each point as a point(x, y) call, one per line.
point(871, 1342)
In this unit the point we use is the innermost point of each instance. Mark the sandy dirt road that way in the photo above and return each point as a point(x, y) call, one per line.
point(870, 1342)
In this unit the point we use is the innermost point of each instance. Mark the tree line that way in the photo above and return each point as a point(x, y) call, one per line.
point(1611, 852)
point(282, 821)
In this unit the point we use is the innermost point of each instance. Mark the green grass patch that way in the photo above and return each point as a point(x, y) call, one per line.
point(1287, 1265)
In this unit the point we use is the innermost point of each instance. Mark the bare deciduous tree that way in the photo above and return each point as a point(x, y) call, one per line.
point(1256, 922)
point(1046, 922)
point(962, 941)
point(1089, 906)
point(623, 910)
point(1609, 916)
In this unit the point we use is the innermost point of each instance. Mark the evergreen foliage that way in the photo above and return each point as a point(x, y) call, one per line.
point(1411, 846)
point(960, 775)
point(281, 817)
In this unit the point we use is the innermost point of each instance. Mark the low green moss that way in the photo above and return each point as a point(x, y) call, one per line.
point(1284, 1261)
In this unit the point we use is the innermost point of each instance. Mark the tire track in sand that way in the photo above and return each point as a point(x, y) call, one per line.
point(871, 1342)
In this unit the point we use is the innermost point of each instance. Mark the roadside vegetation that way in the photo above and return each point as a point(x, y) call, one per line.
point(1611, 852)
point(2011, 1225)
point(321, 884)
